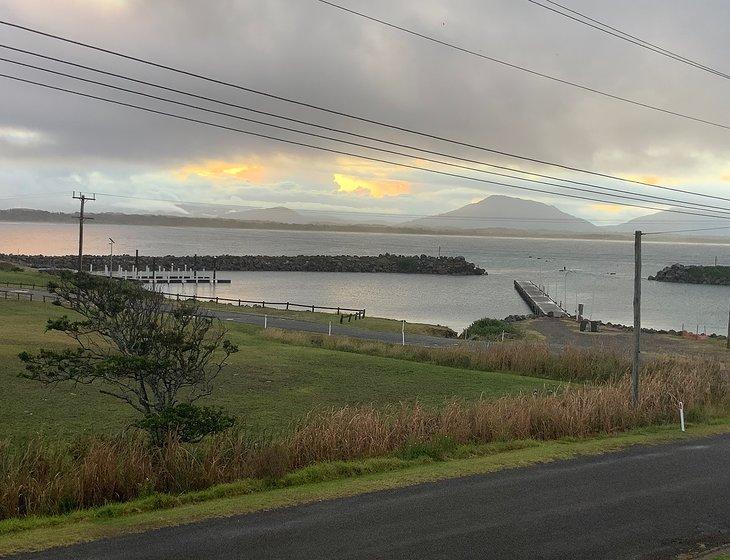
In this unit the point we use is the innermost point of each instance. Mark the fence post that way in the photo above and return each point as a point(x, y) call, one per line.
point(313, 309)
point(31, 296)
point(287, 306)
point(216, 300)
point(338, 310)
point(239, 303)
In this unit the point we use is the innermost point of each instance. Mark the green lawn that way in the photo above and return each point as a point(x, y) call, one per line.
point(268, 384)
point(24, 277)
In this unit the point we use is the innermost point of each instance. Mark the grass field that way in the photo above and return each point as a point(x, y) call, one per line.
point(267, 386)
point(24, 277)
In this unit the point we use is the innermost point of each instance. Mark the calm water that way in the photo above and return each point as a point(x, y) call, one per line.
point(601, 272)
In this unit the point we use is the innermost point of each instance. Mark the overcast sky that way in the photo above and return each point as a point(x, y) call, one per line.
point(52, 143)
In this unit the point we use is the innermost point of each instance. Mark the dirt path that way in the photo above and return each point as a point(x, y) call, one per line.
point(559, 333)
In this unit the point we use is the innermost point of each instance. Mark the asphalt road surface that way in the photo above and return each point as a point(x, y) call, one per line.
point(642, 503)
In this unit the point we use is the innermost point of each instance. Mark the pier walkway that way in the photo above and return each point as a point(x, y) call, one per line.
point(538, 301)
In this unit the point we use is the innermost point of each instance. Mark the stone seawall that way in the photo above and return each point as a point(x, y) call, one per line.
point(388, 263)
point(694, 274)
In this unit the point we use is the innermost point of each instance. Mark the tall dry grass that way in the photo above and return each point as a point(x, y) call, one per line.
point(50, 478)
point(520, 357)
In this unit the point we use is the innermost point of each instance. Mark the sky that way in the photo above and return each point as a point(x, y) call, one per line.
point(53, 143)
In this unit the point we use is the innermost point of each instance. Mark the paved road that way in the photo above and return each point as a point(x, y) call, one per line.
point(337, 329)
point(643, 503)
point(344, 329)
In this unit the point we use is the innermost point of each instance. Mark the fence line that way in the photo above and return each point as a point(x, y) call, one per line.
point(356, 313)
point(23, 285)
point(30, 296)
point(7, 294)
point(346, 313)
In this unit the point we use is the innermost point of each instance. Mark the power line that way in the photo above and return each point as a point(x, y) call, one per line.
point(683, 230)
point(621, 195)
point(342, 152)
point(615, 32)
point(307, 123)
point(34, 195)
point(348, 115)
point(523, 68)
point(379, 214)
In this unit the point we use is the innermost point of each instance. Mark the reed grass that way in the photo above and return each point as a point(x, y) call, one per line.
point(48, 478)
point(519, 357)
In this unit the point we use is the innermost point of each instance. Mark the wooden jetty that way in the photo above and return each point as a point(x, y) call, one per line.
point(538, 301)
point(163, 276)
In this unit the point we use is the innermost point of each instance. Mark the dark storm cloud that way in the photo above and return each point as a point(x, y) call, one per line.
point(303, 49)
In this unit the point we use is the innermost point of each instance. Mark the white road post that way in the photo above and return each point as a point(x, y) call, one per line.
point(329, 330)
point(266, 321)
point(502, 336)
point(403, 333)
point(681, 415)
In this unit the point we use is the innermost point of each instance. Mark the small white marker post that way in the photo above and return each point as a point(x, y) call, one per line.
point(681, 415)
point(266, 321)
point(502, 336)
point(329, 330)
point(403, 333)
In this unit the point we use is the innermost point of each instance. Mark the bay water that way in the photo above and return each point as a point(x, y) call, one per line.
point(597, 273)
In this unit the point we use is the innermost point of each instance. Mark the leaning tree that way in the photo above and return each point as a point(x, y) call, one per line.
point(157, 356)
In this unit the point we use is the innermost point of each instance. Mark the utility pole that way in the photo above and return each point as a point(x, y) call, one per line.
point(111, 257)
point(637, 318)
point(83, 198)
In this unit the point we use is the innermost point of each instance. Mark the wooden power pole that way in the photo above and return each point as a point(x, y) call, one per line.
point(83, 198)
point(637, 318)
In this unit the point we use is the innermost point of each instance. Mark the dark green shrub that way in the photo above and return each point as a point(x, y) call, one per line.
point(489, 329)
point(187, 422)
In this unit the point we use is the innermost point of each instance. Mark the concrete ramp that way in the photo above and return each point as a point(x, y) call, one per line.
point(538, 301)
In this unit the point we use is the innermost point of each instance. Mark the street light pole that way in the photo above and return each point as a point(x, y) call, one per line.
point(111, 256)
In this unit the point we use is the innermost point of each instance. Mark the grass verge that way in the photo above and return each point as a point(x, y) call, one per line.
point(368, 323)
point(317, 483)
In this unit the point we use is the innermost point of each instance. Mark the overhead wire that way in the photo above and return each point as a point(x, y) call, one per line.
point(342, 152)
point(530, 71)
point(347, 115)
point(309, 123)
point(582, 18)
point(610, 191)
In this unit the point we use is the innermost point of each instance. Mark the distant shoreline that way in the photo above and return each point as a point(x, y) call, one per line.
point(219, 223)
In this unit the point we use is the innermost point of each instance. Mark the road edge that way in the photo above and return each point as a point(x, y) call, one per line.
point(77, 530)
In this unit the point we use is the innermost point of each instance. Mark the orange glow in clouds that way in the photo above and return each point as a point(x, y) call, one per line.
point(219, 169)
point(374, 188)
point(608, 208)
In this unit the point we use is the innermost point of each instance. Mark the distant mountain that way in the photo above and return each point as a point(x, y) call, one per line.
point(506, 212)
point(277, 214)
point(673, 221)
